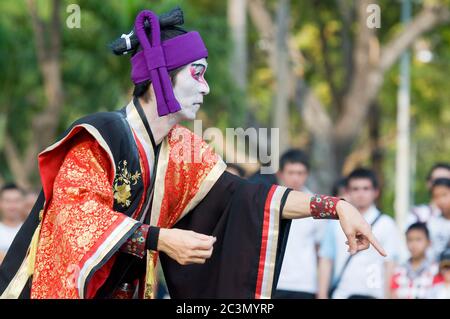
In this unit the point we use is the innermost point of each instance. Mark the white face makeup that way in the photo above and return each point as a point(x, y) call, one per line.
point(190, 87)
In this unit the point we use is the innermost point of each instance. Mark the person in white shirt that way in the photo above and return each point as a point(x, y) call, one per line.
point(439, 226)
point(11, 215)
point(366, 274)
point(30, 199)
point(423, 212)
point(298, 276)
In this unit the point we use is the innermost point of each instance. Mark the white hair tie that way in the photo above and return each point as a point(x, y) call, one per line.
point(127, 40)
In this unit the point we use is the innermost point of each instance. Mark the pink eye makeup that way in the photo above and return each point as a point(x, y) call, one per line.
point(197, 72)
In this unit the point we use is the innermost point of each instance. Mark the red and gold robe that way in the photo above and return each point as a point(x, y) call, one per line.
point(104, 178)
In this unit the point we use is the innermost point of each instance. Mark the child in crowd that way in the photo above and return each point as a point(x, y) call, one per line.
point(441, 290)
point(439, 226)
point(414, 279)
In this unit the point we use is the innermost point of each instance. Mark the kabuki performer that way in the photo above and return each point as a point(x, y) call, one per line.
point(125, 191)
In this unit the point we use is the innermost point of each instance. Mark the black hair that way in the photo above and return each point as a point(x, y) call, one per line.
point(237, 167)
point(294, 156)
point(341, 182)
point(11, 186)
point(420, 227)
point(441, 182)
point(363, 173)
point(169, 24)
point(437, 166)
point(445, 254)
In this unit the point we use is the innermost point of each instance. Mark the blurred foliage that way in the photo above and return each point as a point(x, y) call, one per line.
point(430, 100)
point(96, 80)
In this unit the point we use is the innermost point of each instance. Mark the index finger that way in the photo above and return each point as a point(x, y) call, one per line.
point(375, 243)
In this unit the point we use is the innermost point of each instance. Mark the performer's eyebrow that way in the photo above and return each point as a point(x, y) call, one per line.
point(198, 64)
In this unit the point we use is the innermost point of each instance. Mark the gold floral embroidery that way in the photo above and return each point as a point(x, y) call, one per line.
point(77, 218)
point(122, 194)
point(190, 161)
point(84, 239)
point(122, 184)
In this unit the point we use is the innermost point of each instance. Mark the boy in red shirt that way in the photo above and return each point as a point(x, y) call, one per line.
point(414, 279)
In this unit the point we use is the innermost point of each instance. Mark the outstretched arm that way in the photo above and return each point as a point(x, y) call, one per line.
point(356, 229)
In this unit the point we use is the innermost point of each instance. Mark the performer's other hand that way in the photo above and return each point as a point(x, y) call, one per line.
point(185, 246)
point(356, 229)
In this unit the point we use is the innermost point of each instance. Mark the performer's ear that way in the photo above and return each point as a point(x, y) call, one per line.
point(173, 75)
point(142, 90)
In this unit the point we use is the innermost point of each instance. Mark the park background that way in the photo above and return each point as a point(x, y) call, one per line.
point(314, 69)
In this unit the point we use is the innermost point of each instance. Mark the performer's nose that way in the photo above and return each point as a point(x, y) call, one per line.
point(204, 88)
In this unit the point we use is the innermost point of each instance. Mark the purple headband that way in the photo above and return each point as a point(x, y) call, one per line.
point(155, 60)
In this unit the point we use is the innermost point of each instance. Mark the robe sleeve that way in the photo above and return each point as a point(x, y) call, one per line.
point(80, 232)
point(251, 238)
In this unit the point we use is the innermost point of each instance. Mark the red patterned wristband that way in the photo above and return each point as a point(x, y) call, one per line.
point(135, 245)
point(323, 207)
